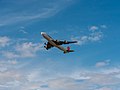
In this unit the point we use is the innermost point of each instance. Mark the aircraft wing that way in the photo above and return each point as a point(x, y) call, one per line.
point(66, 42)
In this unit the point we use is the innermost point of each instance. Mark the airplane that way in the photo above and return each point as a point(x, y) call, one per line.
point(56, 43)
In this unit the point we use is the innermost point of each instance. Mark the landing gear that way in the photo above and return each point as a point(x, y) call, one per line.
point(65, 42)
point(45, 43)
point(57, 40)
point(46, 47)
point(65, 52)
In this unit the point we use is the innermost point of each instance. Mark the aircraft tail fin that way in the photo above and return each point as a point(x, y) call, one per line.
point(68, 50)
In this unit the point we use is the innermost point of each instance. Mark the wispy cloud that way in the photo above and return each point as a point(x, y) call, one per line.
point(7, 64)
point(104, 88)
point(30, 10)
point(10, 55)
point(95, 34)
point(96, 81)
point(103, 63)
point(93, 28)
point(22, 30)
point(92, 37)
point(15, 79)
point(28, 49)
point(24, 50)
point(4, 41)
point(103, 26)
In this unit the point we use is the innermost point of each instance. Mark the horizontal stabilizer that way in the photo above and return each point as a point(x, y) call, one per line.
point(70, 51)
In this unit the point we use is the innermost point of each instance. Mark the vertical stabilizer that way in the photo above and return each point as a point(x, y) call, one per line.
point(68, 50)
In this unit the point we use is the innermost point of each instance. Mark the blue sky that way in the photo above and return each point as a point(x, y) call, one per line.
point(26, 65)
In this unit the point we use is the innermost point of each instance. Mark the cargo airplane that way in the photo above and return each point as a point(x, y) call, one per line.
point(56, 43)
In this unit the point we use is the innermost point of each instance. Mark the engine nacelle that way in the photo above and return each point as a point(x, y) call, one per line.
point(45, 43)
point(57, 40)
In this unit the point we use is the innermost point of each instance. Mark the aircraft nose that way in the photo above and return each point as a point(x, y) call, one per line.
point(42, 33)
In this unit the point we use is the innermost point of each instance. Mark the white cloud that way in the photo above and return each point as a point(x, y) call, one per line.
point(9, 76)
point(13, 62)
point(104, 88)
point(63, 84)
point(23, 31)
point(2, 69)
point(4, 41)
point(66, 82)
point(30, 80)
point(6, 64)
point(96, 36)
point(28, 49)
point(9, 54)
point(113, 71)
point(103, 26)
point(103, 63)
point(93, 28)
point(80, 40)
point(23, 50)
point(96, 80)
point(92, 37)
point(33, 76)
